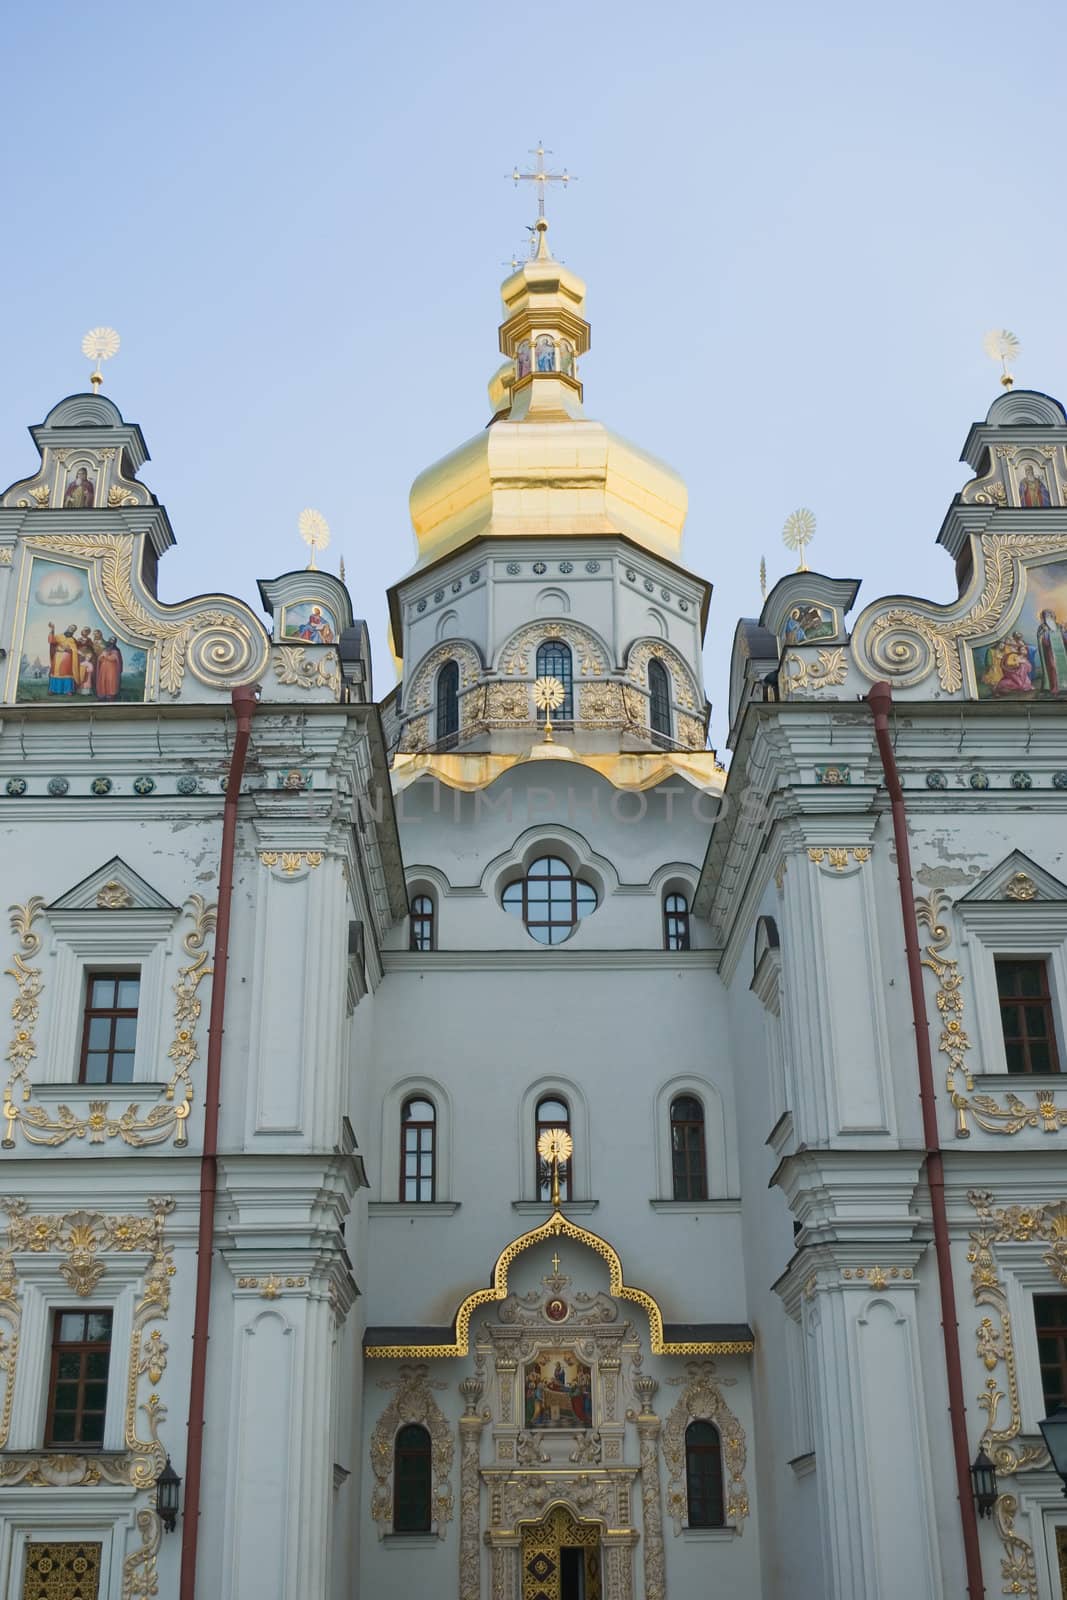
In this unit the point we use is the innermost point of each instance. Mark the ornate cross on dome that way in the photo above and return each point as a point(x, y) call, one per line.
point(541, 177)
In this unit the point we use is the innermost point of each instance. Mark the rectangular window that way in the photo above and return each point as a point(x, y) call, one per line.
point(1050, 1318)
point(1026, 1014)
point(77, 1388)
point(109, 1034)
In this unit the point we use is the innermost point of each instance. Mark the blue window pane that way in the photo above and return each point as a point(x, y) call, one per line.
point(129, 993)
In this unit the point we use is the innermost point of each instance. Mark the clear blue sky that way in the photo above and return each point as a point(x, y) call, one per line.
point(796, 223)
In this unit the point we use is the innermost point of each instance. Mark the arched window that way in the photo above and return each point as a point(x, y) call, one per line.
point(659, 698)
point(417, 1128)
point(675, 922)
point(552, 1113)
point(703, 1476)
point(554, 661)
point(423, 931)
point(447, 701)
point(689, 1163)
point(412, 1480)
point(550, 900)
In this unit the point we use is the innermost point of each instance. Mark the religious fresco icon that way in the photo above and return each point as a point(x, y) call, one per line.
point(1033, 486)
point(68, 648)
point(1030, 659)
point(309, 622)
point(80, 492)
point(558, 1391)
point(808, 621)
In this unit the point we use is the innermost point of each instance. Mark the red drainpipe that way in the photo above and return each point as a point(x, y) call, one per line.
point(244, 705)
point(880, 700)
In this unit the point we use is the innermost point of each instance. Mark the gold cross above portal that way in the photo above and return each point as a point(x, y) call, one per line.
point(541, 177)
point(555, 1262)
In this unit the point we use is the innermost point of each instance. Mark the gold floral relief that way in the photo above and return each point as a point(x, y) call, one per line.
point(516, 655)
point(81, 1237)
point(412, 1401)
point(295, 669)
point(170, 1114)
point(801, 674)
point(702, 1400)
point(684, 688)
point(69, 1571)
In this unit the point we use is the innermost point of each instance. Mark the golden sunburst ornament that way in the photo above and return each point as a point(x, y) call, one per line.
point(99, 344)
point(798, 532)
point(1000, 344)
point(549, 695)
point(555, 1147)
point(315, 532)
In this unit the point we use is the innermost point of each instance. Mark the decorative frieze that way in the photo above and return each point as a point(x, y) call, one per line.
point(412, 1401)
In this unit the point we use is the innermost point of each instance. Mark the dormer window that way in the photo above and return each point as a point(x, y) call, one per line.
point(554, 661)
point(447, 701)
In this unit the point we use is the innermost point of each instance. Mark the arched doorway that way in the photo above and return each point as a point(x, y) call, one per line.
point(561, 1558)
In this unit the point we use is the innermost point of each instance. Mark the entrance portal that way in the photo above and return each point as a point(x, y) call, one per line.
point(561, 1559)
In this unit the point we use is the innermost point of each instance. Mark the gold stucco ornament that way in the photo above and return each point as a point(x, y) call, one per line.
point(549, 695)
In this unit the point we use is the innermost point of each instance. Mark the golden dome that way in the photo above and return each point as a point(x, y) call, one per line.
point(542, 467)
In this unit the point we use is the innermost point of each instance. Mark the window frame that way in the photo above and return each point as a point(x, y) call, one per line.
point(549, 877)
point(564, 672)
point(446, 701)
point(85, 1348)
point(116, 1013)
point(692, 1171)
point(543, 1184)
point(704, 1451)
point(672, 914)
point(418, 1126)
point(415, 917)
point(660, 720)
point(1021, 1003)
point(1056, 1331)
point(424, 1454)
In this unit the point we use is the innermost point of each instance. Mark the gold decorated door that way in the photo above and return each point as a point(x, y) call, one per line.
point(561, 1559)
point(61, 1572)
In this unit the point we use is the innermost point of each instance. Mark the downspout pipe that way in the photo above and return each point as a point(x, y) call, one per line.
point(880, 700)
point(244, 701)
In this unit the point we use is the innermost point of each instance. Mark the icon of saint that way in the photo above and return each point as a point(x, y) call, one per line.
point(80, 495)
point(63, 657)
point(1033, 491)
point(546, 354)
point(109, 671)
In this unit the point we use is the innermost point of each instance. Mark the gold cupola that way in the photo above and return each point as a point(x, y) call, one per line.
point(542, 468)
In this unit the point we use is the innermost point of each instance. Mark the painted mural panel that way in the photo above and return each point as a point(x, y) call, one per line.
point(309, 621)
point(1030, 659)
point(68, 649)
point(809, 621)
point(558, 1391)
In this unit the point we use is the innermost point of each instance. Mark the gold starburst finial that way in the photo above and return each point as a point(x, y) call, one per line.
point(549, 695)
point(99, 344)
point(556, 1147)
point(315, 532)
point(798, 532)
point(1001, 345)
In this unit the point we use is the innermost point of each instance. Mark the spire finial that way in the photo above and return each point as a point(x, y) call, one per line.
point(798, 533)
point(763, 576)
point(555, 1147)
point(1002, 345)
point(541, 177)
point(315, 532)
point(99, 345)
point(549, 695)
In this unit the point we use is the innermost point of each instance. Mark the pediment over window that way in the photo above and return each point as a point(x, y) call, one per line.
point(1017, 878)
point(113, 887)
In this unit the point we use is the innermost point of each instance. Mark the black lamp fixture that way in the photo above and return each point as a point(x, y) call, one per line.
point(1054, 1433)
point(984, 1483)
point(168, 1491)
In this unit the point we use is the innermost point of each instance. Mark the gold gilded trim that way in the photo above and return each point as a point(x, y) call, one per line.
point(559, 1226)
point(467, 773)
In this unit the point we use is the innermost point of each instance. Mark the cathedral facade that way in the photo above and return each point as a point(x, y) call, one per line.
point(469, 1142)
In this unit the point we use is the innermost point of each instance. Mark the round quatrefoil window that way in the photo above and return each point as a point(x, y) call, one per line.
point(550, 900)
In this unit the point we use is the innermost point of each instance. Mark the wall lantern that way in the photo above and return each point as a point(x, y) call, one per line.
point(1054, 1433)
point(984, 1483)
point(168, 1490)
